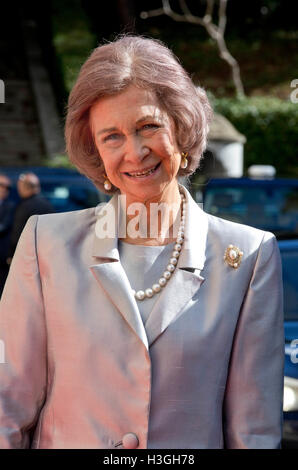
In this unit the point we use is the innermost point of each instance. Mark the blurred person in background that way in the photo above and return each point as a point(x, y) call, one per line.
point(6, 218)
point(32, 203)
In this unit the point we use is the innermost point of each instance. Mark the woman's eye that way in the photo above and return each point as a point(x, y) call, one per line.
point(110, 137)
point(150, 126)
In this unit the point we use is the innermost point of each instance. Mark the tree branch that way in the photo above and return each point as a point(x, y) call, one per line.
point(216, 32)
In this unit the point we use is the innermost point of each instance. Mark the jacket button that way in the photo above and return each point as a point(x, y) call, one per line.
point(130, 441)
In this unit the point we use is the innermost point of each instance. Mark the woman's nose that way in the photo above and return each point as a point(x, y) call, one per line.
point(136, 148)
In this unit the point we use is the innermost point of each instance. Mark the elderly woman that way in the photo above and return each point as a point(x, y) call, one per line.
point(145, 323)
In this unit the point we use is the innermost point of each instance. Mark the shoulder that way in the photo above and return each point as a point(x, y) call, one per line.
point(226, 228)
point(217, 234)
point(64, 224)
point(52, 237)
point(222, 233)
point(43, 200)
point(38, 202)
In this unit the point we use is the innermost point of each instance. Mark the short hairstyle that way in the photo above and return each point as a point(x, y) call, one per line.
point(147, 64)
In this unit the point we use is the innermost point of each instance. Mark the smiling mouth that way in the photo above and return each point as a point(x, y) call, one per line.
point(141, 174)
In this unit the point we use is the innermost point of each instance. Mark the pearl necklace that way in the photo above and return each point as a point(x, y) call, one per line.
point(148, 293)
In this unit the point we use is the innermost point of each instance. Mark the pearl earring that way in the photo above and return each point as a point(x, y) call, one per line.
point(184, 161)
point(107, 184)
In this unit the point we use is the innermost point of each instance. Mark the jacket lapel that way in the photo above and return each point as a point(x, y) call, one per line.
point(114, 281)
point(108, 270)
point(187, 278)
point(179, 290)
point(169, 306)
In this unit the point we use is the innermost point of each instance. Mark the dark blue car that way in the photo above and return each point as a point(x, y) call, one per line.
point(66, 189)
point(272, 205)
point(289, 256)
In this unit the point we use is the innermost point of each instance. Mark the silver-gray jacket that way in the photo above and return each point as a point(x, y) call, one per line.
point(80, 369)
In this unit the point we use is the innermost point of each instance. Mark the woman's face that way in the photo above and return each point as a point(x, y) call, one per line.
point(134, 135)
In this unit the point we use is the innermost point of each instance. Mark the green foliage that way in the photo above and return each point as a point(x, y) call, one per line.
point(72, 38)
point(269, 124)
point(271, 128)
point(58, 161)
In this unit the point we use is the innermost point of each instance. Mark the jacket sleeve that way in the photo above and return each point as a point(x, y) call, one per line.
point(252, 411)
point(23, 344)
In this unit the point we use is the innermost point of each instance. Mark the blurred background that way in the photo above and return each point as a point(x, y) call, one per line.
point(49, 41)
point(244, 54)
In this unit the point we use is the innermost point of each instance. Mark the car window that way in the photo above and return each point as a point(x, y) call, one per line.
point(269, 208)
point(70, 196)
point(290, 282)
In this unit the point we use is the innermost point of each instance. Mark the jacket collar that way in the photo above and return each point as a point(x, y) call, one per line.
point(196, 228)
point(172, 299)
